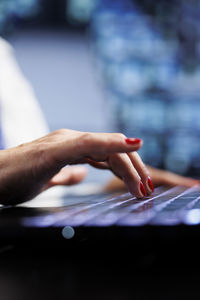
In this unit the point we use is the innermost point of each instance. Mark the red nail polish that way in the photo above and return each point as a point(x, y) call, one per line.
point(133, 141)
point(142, 189)
point(150, 183)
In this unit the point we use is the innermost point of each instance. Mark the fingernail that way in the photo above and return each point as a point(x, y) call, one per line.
point(133, 141)
point(150, 184)
point(142, 189)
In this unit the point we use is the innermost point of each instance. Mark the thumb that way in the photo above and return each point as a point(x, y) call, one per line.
point(68, 176)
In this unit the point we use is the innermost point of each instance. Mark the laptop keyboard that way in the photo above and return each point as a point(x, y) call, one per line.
point(166, 206)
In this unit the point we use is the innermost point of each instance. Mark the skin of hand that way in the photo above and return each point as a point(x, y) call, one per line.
point(159, 177)
point(32, 167)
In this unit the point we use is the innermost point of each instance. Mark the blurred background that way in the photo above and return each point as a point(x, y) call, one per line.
point(115, 65)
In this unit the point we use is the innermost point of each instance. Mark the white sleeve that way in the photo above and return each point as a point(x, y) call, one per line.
point(21, 117)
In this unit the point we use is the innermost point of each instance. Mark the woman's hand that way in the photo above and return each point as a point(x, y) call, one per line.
point(33, 167)
point(159, 177)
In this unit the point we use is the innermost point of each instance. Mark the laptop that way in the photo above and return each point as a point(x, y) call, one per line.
point(105, 216)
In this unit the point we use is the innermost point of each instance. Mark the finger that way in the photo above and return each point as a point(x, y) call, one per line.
point(122, 166)
point(68, 176)
point(106, 143)
point(98, 146)
point(140, 167)
point(98, 165)
point(160, 177)
point(142, 171)
point(173, 179)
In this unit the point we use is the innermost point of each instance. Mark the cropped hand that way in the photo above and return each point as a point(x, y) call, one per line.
point(30, 168)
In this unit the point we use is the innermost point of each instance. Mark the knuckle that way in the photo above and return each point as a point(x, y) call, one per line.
point(86, 138)
point(21, 146)
point(58, 132)
point(61, 131)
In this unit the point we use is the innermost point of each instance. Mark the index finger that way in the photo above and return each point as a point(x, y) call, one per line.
point(71, 147)
point(108, 143)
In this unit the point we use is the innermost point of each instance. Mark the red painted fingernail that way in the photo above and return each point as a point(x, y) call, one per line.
point(133, 141)
point(142, 189)
point(150, 183)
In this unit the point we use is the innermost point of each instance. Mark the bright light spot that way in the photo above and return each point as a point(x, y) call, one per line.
point(68, 232)
point(193, 217)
